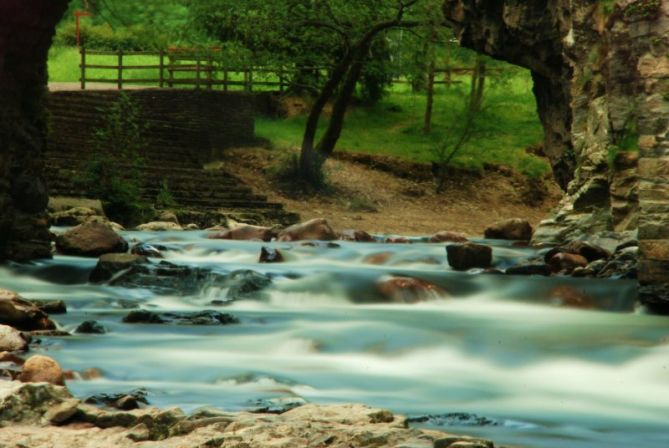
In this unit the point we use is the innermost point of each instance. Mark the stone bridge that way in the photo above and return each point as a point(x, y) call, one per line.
point(601, 79)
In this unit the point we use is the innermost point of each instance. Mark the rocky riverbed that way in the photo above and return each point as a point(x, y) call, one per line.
point(260, 336)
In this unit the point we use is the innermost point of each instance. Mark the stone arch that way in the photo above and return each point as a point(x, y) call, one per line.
point(26, 32)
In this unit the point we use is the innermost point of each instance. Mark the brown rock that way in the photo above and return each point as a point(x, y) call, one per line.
point(11, 357)
point(42, 369)
point(566, 263)
point(448, 237)
point(587, 250)
point(245, 232)
point(11, 340)
point(570, 297)
point(397, 240)
point(359, 236)
point(90, 240)
point(315, 229)
point(378, 258)
point(21, 314)
point(463, 257)
point(510, 229)
point(409, 290)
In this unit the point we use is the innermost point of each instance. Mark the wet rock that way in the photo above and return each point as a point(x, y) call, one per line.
point(159, 226)
point(270, 255)
point(321, 244)
point(207, 317)
point(91, 327)
point(409, 290)
point(655, 298)
point(124, 401)
point(28, 403)
point(510, 229)
point(111, 264)
point(448, 237)
point(147, 250)
point(73, 216)
point(90, 240)
point(463, 257)
point(585, 249)
point(42, 369)
point(570, 297)
point(49, 333)
point(626, 244)
point(359, 236)
point(21, 314)
point(462, 442)
point(315, 229)
point(191, 227)
point(397, 240)
point(378, 258)
point(50, 306)
point(165, 278)
point(246, 284)
point(566, 263)
point(245, 233)
point(12, 340)
point(277, 405)
point(530, 269)
point(7, 357)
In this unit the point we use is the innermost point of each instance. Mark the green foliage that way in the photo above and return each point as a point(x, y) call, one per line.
point(112, 173)
point(164, 198)
point(394, 126)
point(287, 173)
point(104, 37)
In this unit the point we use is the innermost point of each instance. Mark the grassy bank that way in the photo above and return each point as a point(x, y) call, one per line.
point(393, 126)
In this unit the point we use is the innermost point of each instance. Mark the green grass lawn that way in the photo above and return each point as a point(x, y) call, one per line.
point(393, 126)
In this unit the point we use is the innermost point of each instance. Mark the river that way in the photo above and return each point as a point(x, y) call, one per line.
point(537, 375)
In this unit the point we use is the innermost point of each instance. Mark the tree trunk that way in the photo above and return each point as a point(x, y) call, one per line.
point(26, 31)
point(427, 128)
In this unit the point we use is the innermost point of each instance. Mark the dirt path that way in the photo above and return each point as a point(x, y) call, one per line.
point(372, 200)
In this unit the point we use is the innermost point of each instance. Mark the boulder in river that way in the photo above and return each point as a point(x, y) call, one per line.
point(42, 369)
point(397, 240)
point(245, 284)
point(91, 327)
point(359, 236)
point(73, 216)
point(21, 314)
point(206, 317)
point(245, 232)
point(90, 240)
point(50, 306)
point(510, 229)
point(270, 255)
point(12, 340)
point(110, 265)
point(409, 290)
point(448, 237)
point(463, 257)
point(147, 250)
point(566, 263)
point(159, 226)
point(315, 229)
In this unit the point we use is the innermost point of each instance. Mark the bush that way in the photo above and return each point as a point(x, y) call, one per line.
point(113, 171)
point(104, 37)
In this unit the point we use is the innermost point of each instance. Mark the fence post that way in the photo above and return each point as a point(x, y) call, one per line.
point(197, 72)
point(250, 83)
point(225, 79)
point(281, 80)
point(162, 68)
point(120, 70)
point(83, 68)
point(210, 72)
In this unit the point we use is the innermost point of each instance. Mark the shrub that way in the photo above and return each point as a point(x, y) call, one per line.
point(112, 173)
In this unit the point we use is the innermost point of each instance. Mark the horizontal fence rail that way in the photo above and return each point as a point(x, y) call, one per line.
point(192, 69)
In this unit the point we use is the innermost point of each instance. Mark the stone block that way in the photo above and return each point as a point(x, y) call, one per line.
point(657, 250)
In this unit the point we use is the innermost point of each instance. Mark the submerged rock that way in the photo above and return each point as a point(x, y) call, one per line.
point(206, 317)
point(21, 314)
point(42, 369)
point(315, 229)
point(270, 255)
point(510, 229)
point(147, 250)
point(91, 327)
point(111, 264)
point(409, 290)
point(90, 240)
point(463, 257)
point(165, 278)
point(245, 284)
point(50, 306)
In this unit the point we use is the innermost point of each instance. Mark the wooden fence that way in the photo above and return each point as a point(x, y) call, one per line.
point(181, 69)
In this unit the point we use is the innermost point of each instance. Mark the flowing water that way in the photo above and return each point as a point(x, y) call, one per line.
point(536, 374)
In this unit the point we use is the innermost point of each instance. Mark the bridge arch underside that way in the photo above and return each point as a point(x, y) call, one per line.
point(602, 86)
point(26, 32)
